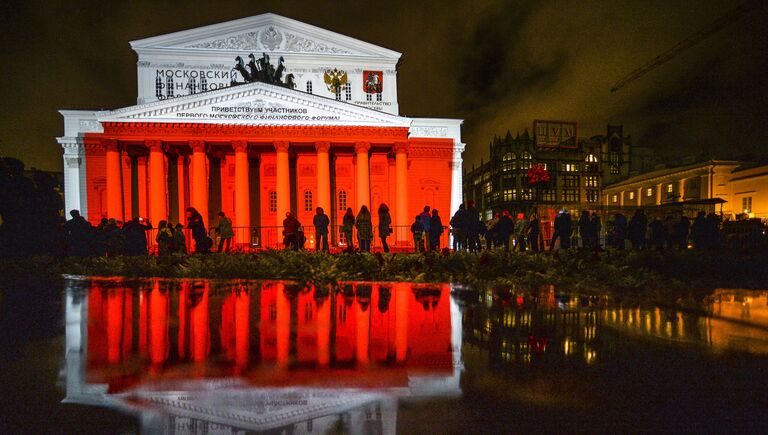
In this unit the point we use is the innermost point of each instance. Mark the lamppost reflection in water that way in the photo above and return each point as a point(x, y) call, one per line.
point(244, 356)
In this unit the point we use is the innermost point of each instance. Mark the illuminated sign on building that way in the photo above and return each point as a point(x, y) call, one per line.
point(555, 134)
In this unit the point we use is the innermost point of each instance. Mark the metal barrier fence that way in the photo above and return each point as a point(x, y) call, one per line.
point(271, 237)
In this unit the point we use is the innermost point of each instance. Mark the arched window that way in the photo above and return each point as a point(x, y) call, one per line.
point(526, 155)
point(309, 86)
point(307, 200)
point(526, 163)
point(507, 157)
point(342, 200)
point(591, 158)
point(272, 201)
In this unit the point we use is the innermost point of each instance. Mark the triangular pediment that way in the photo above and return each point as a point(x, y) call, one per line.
point(265, 33)
point(255, 104)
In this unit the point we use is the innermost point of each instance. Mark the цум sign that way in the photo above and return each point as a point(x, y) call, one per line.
point(555, 134)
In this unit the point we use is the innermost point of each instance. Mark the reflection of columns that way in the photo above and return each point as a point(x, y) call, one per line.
point(114, 180)
point(158, 209)
point(283, 324)
point(323, 176)
point(363, 322)
point(199, 196)
point(283, 182)
point(242, 191)
point(158, 324)
point(401, 185)
point(242, 326)
point(119, 324)
point(681, 190)
point(200, 333)
point(363, 185)
point(402, 293)
point(324, 331)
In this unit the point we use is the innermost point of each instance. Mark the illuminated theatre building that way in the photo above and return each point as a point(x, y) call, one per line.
point(256, 117)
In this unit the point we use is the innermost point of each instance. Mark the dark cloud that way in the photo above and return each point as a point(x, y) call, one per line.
point(497, 64)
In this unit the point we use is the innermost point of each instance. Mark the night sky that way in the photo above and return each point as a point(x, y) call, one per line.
point(497, 64)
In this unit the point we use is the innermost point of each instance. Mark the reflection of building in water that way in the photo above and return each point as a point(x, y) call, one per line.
point(525, 328)
point(191, 356)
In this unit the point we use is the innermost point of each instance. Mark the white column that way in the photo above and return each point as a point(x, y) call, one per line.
point(75, 192)
point(457, 187)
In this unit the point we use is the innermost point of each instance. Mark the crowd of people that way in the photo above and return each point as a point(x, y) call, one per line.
point(505, 231)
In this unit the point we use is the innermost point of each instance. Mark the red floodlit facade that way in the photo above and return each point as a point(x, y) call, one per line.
point(258, 150)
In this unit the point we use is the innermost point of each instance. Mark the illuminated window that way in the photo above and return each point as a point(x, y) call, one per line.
point(570, 167)
point(487, 187)
point(746, 204)
point(669, 188)
point(342, 200)
point(590, 181)
point(591, 158)
point(631, 195)
point(348, 91)
point(272, 201)
point(615, 162)
point(526, 163)
point(510, 195)
point(570, 195)
point(592, 195)
point(649, 191)
point(308, 200)
point(309, 86)
point(507, 157)
point(549, 195)
point(615, 198)
point(570, 180)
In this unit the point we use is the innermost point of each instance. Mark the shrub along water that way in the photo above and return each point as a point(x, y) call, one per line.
point(669, 276)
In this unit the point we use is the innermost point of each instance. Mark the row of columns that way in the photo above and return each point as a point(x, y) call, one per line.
point(157, 180)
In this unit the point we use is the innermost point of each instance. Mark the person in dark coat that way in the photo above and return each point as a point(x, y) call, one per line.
point(195, 223)
point(164, 239)
point(321, 223)
point(474, 227)
point(459, 224)
point(585, 231)
point(712, 231)
point(597, 227)
point(179, 240)
point(135, 232)
point(385, 225)
point(417, 229)
point(347, 225)
point(78, 235)
point(681, 229)
point(637, 227)
point(504, 229)
point(699, 231)
point(657, 233)
point(364, 227)
point(435, 230)
point(534, 232)
point(620, 228)
point(291, 231)
point(562, 230)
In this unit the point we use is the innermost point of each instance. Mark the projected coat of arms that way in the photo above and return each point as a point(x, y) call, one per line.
point(373, 81)
point(335, 80)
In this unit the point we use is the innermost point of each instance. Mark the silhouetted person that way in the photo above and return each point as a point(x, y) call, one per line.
point(657, 233)
point(474, 227)
point(224, 228)
point(620, 228)
point(699, 231)
point(385, 225)
point(459, 223)
point(348, 224)
point(417, 229)
point(435, 231)
point(562, 230)
point(135, 232)
point(637, 227)
point(681, 229)
point(491, 234)
point(291, 231)
point(179, 240)
point(164, 239)
point(425, 217)
point(534, 232)
point(712, 231)
point(78, 234)
point(521, 228)
point(585, 231)
point(597, 226)
point(364, 228)
point(504, 229)
point(321, 223)
point(203, 243)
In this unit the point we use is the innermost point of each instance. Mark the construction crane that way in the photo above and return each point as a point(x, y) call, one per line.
point(717, 25)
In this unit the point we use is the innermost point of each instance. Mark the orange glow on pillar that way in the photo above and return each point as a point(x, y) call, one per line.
point(119, 328)
point(323, 176)
point(199, 178)
point(363, 187)
point(114, 180)
point(324, 332)
point(242, 192)
point(283, 183)
point(242, 326)
point(200, 334)
point(158, 324)
point(402, 295)
point(401, 188)
point(158, 204)
point(283, 325)
point(182, 183)
point(363, 323)
point(183, 319)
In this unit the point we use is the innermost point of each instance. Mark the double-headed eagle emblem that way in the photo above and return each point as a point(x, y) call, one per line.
point(335, 80)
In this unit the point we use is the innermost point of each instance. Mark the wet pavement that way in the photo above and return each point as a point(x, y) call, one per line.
point(227, 357)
